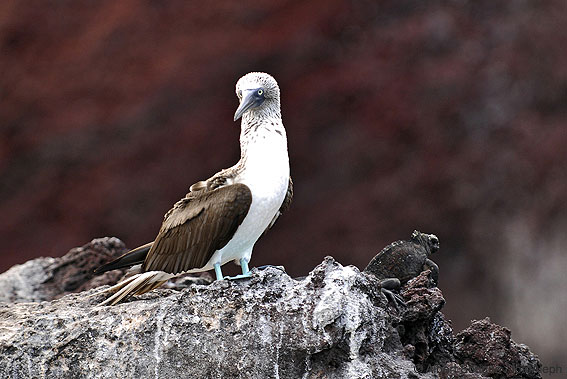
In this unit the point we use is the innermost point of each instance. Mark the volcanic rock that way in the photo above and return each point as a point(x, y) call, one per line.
point(333, 323)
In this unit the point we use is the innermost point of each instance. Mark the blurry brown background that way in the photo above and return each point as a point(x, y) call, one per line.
point(447, 117)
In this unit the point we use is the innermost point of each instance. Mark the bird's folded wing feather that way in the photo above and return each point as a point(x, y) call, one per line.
point(196, 227)
point(285, 204)
point(133, 257)
point(288, 197)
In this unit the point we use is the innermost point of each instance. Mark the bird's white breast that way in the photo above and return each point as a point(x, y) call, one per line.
point(266, 173)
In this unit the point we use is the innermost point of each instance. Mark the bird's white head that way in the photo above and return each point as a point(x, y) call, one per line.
point(258, 92)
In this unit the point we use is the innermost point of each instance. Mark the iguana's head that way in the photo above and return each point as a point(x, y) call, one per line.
point(429, 241)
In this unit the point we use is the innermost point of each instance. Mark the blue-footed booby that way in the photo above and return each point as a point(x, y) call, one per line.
point(221, 218)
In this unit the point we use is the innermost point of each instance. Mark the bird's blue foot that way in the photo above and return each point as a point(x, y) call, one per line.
point(241, 276)
point(245, 271)
point(218, 271)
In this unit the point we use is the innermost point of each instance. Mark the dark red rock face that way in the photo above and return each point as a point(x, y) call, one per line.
point(401, 115)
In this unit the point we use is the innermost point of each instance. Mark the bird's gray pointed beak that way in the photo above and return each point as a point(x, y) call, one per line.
point(248, 101)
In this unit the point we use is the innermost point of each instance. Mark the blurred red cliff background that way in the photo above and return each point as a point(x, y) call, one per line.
point(446, 117)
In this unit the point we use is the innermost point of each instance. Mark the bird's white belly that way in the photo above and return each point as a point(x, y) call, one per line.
point(268, 180)
point(261, 212)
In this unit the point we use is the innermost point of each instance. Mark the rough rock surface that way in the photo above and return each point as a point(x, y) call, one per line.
point(487, 348)
point(334, 323)
point(49, 278)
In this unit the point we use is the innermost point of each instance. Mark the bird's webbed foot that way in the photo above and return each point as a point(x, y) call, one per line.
point(239, 276)
point(246, 273)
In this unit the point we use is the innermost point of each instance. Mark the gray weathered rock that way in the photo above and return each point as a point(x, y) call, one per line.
point(334, 323)
point(327, 325)
point(49, 278)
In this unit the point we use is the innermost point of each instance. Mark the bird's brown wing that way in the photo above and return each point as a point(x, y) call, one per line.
point(133, 257)
point(196, 227)
point(288, 197)
point(285, 204)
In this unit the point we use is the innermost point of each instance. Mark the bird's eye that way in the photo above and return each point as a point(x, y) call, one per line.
point(240, 93)
point(260, 92)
